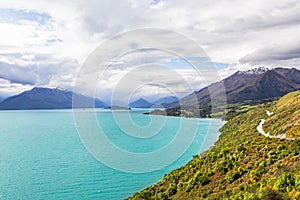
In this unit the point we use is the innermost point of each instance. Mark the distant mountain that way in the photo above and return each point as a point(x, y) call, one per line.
point(291, 74)
point(256, 84)
point(2, 99)
point(140, 103)
point(251, 86)
point(46, 98)
point(230, 84)
point(266, 86)
point(241, 78)
point(166, 100)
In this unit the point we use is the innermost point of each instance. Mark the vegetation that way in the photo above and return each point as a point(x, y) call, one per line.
point(286, 117)
point(243, 164)
point(205, 110)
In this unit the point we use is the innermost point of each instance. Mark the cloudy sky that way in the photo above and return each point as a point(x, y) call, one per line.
point(45, 43)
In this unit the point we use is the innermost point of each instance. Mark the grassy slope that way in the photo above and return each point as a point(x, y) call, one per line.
point(286, 117)
point(237, 167)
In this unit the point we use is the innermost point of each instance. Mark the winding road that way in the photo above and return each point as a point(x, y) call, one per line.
point(261, 130)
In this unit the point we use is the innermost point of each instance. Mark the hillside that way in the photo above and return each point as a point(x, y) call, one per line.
point(266, 86)
point(243, 164)
point(47, 98)
point(286, 117)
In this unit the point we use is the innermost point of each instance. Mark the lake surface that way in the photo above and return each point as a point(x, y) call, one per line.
point(42, 156)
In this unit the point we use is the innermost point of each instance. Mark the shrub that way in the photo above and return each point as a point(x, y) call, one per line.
point(285, 182)
point(191, 184)
point(232, 176)
point(272, 195)
point(280, 147)
point(241, 187)
point(296, 147)
point(202, 178)
point(172, 189)
point(221, 185)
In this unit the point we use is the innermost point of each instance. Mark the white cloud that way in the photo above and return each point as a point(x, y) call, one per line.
point(47, 45)
point(7, 88)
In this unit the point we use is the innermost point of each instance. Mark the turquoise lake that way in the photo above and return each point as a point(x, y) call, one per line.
point(43, 157)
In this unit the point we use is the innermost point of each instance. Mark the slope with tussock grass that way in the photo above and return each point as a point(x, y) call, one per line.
point(243, 164)
point(286, 117)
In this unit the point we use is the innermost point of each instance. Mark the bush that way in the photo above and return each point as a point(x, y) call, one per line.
point(280, 147)
point(172, 189)
point(162, 196)
point(285, 182)
point(202, 178)
point(296, 147)
point(232, 176)
point(242, 188)
point(272, 159)
point(191, 184)
point(221, 185)
point(272, 195)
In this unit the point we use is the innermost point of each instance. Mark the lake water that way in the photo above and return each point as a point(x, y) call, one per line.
point(42, 156)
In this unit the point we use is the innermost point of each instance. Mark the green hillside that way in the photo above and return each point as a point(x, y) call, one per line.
point(243, 164)
point(286, 117)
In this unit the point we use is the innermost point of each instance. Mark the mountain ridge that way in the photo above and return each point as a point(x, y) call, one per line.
point(270, 84)
point(251, 86)
point(2, 99)
point(48, 98)
point(140, 103)
point(165, 100)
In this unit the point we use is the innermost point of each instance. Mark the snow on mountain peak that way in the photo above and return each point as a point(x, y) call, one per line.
point(257, 71)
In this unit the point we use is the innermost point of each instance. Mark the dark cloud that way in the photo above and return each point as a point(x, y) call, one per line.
point(272, 54)
point(39, 71)
point(16, 74)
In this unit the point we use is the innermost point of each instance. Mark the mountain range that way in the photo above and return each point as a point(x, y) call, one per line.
point(140, 103)
point(47, 98)
point(166, 100)
point(161, 102)
point(54, 98)
point(253, 85)
point(249, 87)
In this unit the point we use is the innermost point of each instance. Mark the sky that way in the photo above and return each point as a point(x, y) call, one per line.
point(46, 43)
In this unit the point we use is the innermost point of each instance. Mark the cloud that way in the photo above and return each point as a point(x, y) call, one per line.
point(38, 70)
point(153, 81)
point(290, 54)
point(17, 16)
point(8, 89)
point(17, 74)
point(46, 42)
